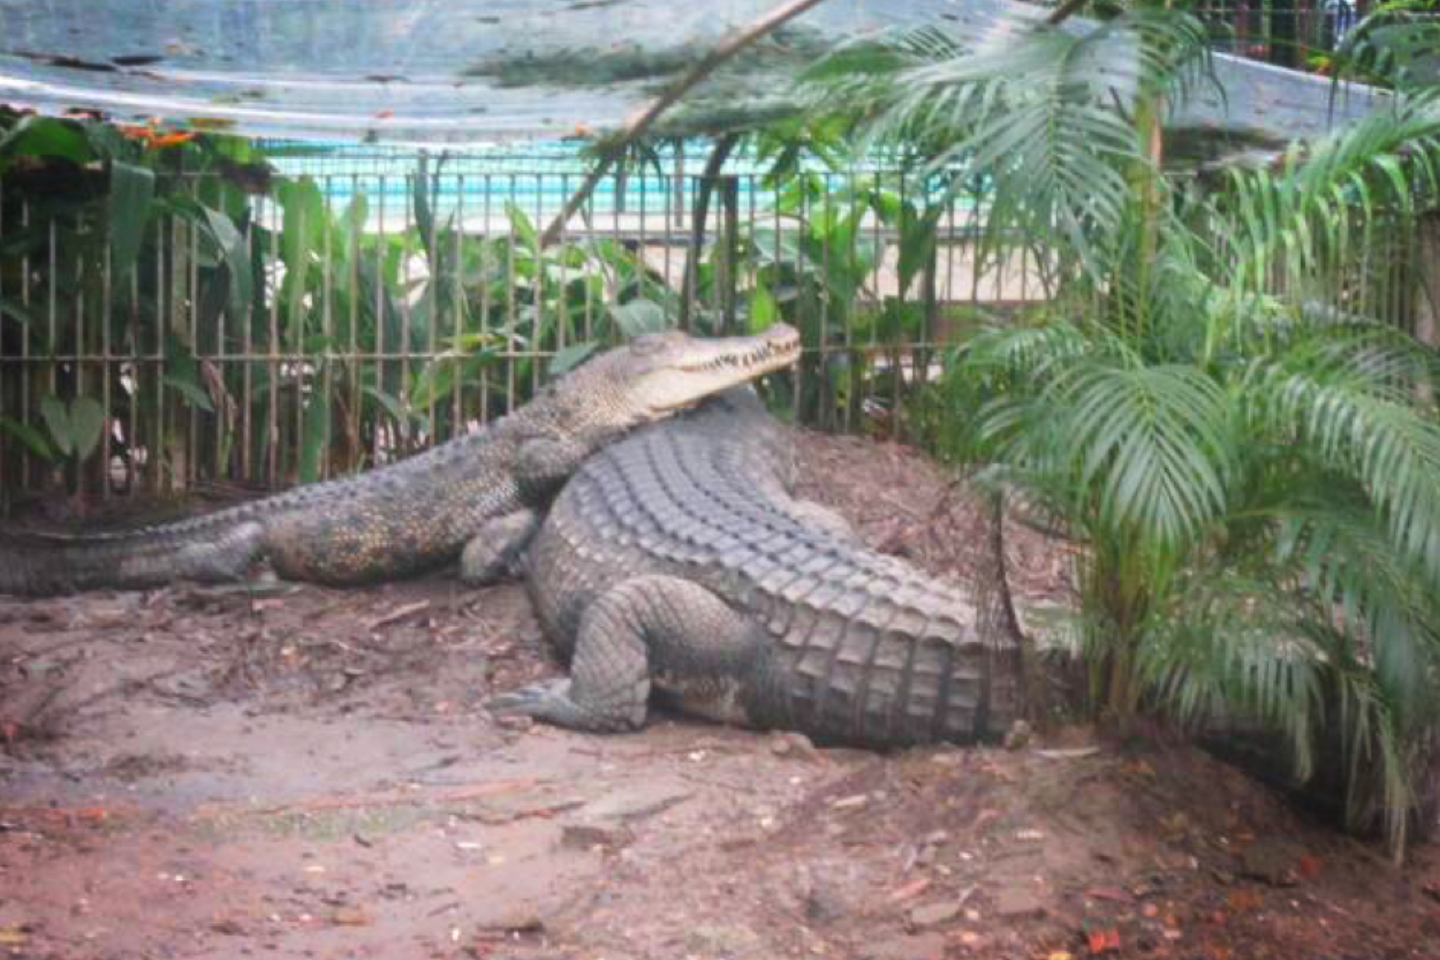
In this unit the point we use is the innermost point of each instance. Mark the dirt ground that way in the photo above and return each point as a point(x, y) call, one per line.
point(304, 772)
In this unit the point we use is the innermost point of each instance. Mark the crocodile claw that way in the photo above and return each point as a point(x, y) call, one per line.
point(533, 700)
point(551, 701)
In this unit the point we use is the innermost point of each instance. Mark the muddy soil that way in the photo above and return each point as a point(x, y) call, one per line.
point(304, 772)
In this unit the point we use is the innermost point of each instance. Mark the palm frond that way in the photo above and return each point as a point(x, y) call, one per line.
point(1299, 220)
point(1397, 44)
point(1359, 426)
point(1381, 608)
point(1038, 114)
point(1153, 442)
point(1228, 646)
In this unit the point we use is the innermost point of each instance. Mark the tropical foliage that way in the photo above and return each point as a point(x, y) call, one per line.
point(1222, 401)
point(226, 295)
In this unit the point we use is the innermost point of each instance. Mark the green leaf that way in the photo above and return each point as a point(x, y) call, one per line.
point(191, 391)
point(235, 254)
point(128, 212)
point(1151, 442)
point(392, 404)
point(473, 353)
point(524, 229)
point(28, 435)
point(57, 421)
point(763, 309)
point(316, 435)
point(87, 424)
point(420, 200)
point(15, 311)
point(569, 357)
point(300, 245)
point(639, 317)
point(46, 137)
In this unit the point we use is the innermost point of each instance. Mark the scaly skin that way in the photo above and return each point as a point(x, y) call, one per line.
point(420, 512)
point(674, 562)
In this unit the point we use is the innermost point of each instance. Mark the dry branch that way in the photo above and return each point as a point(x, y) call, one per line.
point(612, 148)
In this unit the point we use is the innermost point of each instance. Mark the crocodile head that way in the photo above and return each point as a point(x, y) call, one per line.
point(656, 374)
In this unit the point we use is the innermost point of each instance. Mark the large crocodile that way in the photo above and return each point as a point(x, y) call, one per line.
point(424, 510)
point(675, 562)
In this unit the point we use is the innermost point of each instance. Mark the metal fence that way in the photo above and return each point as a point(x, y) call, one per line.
point(280, 330)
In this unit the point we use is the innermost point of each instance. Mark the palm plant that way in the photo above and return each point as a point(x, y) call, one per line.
point(1215, 401)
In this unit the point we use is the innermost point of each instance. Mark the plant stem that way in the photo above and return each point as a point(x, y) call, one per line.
point(713, 165)
point(613, 147)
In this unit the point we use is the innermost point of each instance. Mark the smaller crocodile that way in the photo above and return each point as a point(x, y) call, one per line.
point(675, 562)
point(421, 512)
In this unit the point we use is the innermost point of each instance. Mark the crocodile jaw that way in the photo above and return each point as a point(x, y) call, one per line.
point(706, 367)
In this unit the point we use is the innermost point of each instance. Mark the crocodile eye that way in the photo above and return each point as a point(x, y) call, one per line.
point(649, 343)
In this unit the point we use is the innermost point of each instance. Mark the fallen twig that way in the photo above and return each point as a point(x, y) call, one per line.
point(399, 613)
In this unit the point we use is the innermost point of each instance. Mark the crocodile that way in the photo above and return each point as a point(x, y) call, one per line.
point(476, 493)
point(676, 564)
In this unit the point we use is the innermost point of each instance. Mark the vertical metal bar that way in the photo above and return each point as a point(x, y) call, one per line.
point(296, 363)
point(354, 362)
point(751, 218)
point(947, 289)
point(156, 363)
point(4, 435)
point(79, 350)
point(378, 440)
point(176, 327)
point(690, 278)
point(537, 331)
point(798, 376)
point(327, 318)
point(667, 219)
point(247, 349)
point(614, 214)
point(223, 427)
point(681, 207)
point(26, 465)
point(510, 306)
point(52, 294)
point(586, 217)
point(826, 410)
point(275, 442)
point(730, 197)
point(562, 306)
point(108, 369)
point(973, 242)
point(458, 295)
point(641, 276)
point(193, 286)
point(138, 447)
point(485, 245)
point(406, 334)
point(900, 354)
point(434, 279)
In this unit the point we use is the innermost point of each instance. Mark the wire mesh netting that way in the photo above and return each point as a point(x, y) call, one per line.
point(470, 71)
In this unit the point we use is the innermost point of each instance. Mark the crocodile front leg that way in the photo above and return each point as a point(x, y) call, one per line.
point(494, 552)
point(657, 631)
point(544, 463)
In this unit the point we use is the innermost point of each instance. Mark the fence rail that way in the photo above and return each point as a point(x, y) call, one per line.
point(291, 330)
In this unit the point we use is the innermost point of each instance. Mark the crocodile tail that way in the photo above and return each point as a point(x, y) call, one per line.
point(145, 558)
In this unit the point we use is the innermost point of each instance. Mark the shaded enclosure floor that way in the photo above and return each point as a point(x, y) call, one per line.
point(307, 772)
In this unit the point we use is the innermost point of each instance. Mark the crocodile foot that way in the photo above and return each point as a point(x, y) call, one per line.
point(550, 701)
